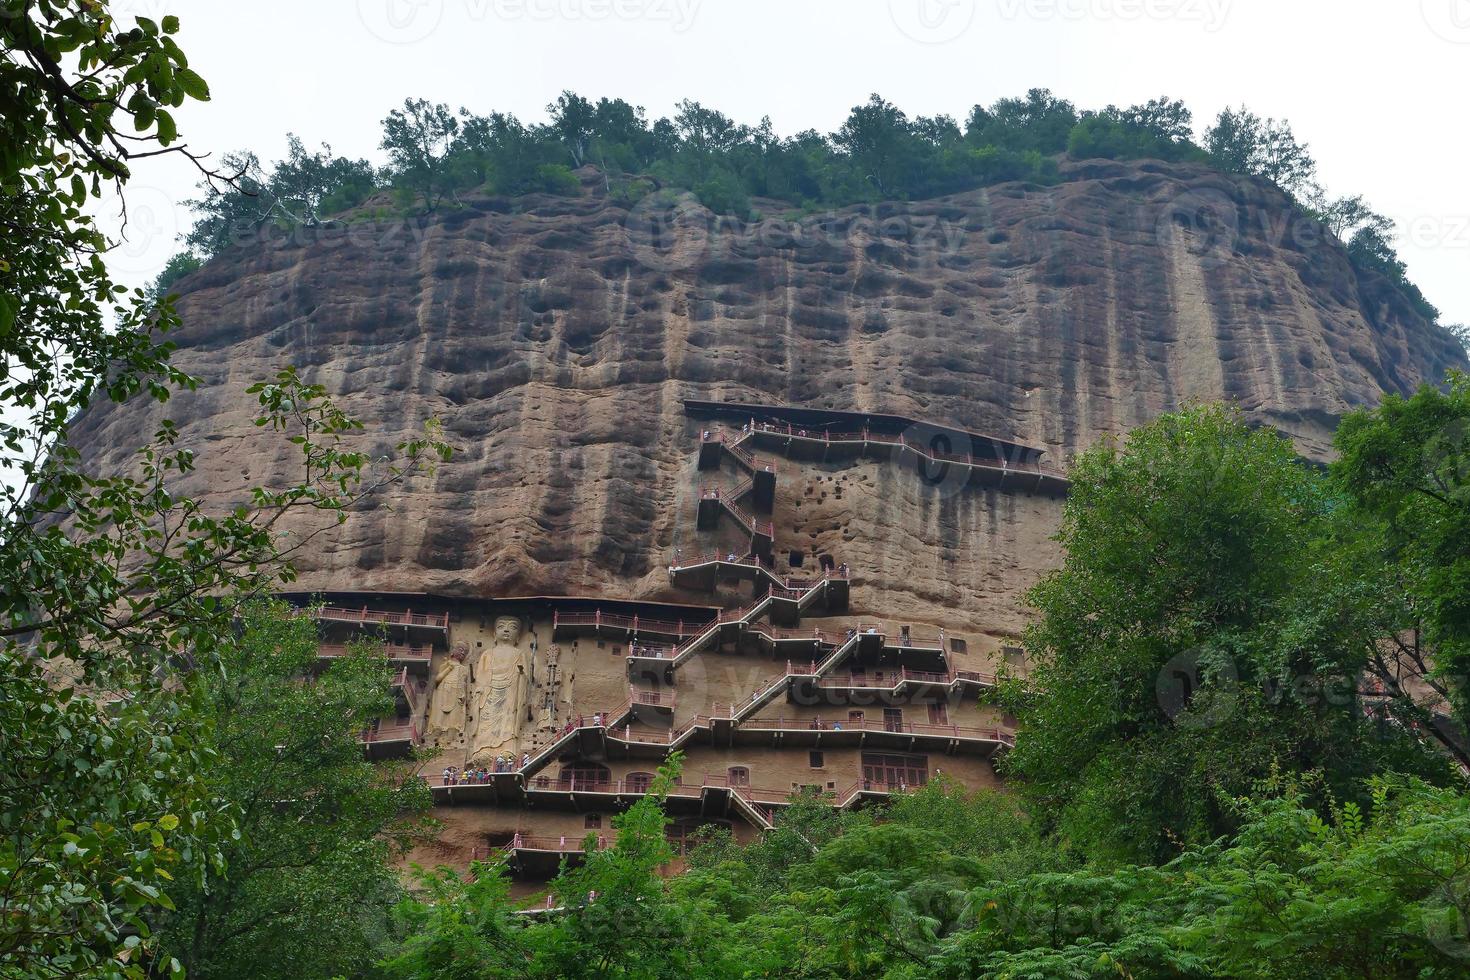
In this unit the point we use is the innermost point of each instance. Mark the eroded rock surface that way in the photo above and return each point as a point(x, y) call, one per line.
point(556, 338)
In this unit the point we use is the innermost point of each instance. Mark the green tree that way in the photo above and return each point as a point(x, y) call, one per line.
point(233, 212)
point(615, 918)
point(1038, 121)
point(104, 806)
point(1160, 128)
point(705, 136)
point(305, 184)
point(877, 139)
point(1244, 143)
point(1405, 467)
point(417, 139)
point(108, 583)
point(1371, 248)
point(1190, 643)
point(177, 267)
point(317, 823)
point(575, 120)
point(1461, 333)
point(460, 927)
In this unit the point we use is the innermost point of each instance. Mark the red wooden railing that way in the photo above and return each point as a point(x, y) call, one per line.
point(643, 651)
point(336, 614)
point(876, 725)
point(893, 678)
point(556, 845)
point(392, 732)
point(726, 557)
point(735, 448)
point(597, 619)
point(660, 699)
point(728, 499)
point(779, 633)
point(413, 689)
point(392, 651)
point(902, 441)
point(681, 562)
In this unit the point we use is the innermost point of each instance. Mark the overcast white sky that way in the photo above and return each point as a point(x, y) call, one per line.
point(1376, 87)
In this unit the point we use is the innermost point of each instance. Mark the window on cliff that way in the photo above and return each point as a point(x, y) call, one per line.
point(886, 770)
point(593, 821)
point(956, 645)
point(815, 760)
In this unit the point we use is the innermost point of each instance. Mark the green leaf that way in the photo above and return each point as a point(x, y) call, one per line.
point(193, 85)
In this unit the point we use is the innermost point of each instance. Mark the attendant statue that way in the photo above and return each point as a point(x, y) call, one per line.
point(447, 708)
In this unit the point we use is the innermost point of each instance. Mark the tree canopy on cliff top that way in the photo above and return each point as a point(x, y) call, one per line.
point(879, 153)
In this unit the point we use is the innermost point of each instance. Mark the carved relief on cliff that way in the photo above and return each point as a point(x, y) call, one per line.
point(502, 683)
point(448, 707)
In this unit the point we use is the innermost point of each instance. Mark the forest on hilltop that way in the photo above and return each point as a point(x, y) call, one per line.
point(879, 153)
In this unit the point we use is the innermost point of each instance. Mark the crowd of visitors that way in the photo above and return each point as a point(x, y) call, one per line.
point(472, 775)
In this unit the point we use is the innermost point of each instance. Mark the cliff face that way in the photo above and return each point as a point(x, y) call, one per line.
point(557, 337)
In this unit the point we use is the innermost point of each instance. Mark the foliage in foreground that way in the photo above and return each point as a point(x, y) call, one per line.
point(1406, 468)
point(1203, 630)
point(949, 884)
point(317, 824)
point(112, 586)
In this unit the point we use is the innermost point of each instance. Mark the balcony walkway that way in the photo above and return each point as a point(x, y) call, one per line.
point(712, 791)
point(390, 738)
point(830, 434)
point(404, 655)
point(408, 619)
point(828, 446)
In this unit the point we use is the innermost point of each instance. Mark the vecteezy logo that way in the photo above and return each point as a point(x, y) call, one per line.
point(151, 218)
point(1450, 19)
point(932, 21)
point(1202, 222)
point(1196, 690)
point(1446, 918)
point(400, 21)
point(940, 457)
point(668, 230)
point(1446, 457)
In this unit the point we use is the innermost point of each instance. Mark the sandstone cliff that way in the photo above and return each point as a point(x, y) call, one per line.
point(557, 338)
